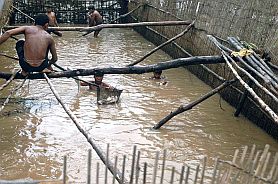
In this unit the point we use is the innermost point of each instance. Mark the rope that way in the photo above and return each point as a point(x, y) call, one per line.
point(99, 152)
point(242, 53)
point(12, 92)
point(9, 81)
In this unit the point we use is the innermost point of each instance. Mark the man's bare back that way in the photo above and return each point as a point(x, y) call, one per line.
point(37, 43)
point(34, 50)
point(95, 18)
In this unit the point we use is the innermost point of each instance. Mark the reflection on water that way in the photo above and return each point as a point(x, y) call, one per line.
point(34, 139)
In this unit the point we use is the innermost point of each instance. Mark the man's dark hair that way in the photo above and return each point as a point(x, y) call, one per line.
point(99, 74)
point(158, 71)
point(91, 7)
point(41, 19)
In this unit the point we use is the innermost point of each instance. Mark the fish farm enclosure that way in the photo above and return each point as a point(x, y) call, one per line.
point(229, 45)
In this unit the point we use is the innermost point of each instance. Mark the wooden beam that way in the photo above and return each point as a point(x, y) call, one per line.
point(102, 26)
point(126, 70)
point(184, 108)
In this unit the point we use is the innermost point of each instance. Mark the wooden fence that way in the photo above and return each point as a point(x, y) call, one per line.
point(67, 11)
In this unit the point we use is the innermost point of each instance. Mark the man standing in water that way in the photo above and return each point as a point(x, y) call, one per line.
point(33, 52)
point(52, 21)
point(98, 81)
point(94, 19)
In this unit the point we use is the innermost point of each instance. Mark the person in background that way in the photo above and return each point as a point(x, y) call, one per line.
point(98, 81)
point(157, 76)
point(33, 51)
point(52, 21)
point(94, 19)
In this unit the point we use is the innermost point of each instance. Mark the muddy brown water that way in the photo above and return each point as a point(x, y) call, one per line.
point(35, 132)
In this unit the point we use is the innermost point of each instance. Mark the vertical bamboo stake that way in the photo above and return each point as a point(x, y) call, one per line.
point(276, 174)
point(89, 166)
point(123, 168)
point(145, 173)
point(97, 173)
point(182, 174)
point(65, 170)
point(273, 166)
point(137, 167)
point(155, 167)
point(106, 168)
point(215, 170)
point(172, 175)
point(133, 164)
point(231, 167)
point(254, 164)
point(115, 166)
point(163, 166)
point(251, 156)
point(187, 175)
point(241, 163)
point(196, 174)
point(265, 164)
point(203, 170)
point(262, 159)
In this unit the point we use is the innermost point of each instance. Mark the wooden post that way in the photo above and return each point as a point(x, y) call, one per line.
point(242, 100)
point(183, 108)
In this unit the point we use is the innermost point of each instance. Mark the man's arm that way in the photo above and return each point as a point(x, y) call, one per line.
point(55, 20)
point(9, 33)
point(53, 52)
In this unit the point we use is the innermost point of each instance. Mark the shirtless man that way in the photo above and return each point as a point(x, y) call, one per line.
point(94, 19)
point(33, 52)
point(98, 81)
point(157, 76)
point(52, 21)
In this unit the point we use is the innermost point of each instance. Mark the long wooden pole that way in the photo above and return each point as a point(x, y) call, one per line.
point(261, 103)
point(76, 78)
point(184, 108)
point(127, 70)
point(99, 152)
point(102, 26)
point(125, 15)
point(23, 13)
point(162, 45)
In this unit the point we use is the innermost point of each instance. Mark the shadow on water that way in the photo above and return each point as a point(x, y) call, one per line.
point(34, 141)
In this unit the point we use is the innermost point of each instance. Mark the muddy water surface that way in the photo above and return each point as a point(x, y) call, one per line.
point(35, 132)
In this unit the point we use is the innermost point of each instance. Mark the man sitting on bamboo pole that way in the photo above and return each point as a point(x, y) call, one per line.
point(33, 52)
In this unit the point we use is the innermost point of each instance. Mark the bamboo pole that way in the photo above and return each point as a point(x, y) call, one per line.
point(31, 18)
point(103, 26)
point(127, 70)
point(125, 15)
point(12, 92)
point(162, 45)
point(261, 103)
point(8, 81)
point(11, 57)
point(256, 82)
point(242, 100)
point(255, 58)
point(255, 64)
point(221, 47)
point(184, 108)
point(81, 130)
